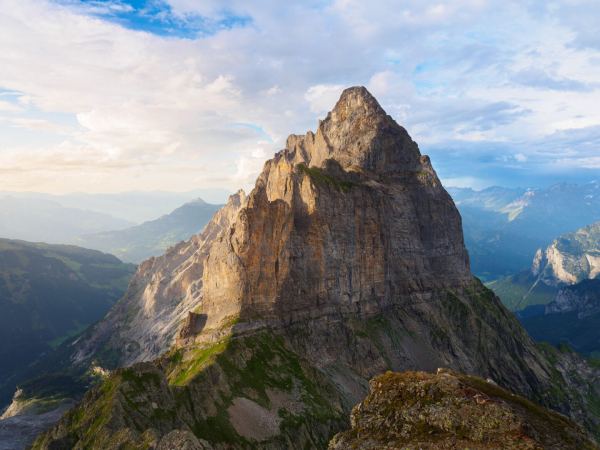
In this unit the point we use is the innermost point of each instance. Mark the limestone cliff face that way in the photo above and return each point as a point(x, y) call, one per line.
point(144, 323)
point(571, 258)
point(539, 262)
point(448, 410)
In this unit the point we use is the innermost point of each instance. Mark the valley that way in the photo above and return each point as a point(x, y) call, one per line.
point(47, 294)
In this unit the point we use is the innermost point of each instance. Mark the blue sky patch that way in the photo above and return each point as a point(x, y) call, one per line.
point(426, 66)
point(157, 17)
point(264, 136)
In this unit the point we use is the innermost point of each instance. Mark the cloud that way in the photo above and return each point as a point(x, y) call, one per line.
point(272, 91)
point(537, 78)
point(136, 103)
point(580, 17)
point(10, 107)
point(40, 125)
point(465, 182)
point(322, 96)
point(249, 165)
point(520, 157)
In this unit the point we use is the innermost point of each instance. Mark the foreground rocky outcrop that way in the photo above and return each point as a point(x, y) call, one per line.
point(345, 261)
point(416, 410)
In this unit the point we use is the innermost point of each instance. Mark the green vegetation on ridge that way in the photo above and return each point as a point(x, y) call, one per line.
point(523, 290)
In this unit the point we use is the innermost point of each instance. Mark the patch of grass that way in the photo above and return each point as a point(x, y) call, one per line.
point(194, 363)
point(317, 176)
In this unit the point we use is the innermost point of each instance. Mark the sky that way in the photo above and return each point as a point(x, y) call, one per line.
point(116, 95)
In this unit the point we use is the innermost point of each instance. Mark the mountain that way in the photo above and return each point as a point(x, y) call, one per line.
point(346, 260)
point(47, 221)
point(152, 238)
point(49, 292)
point(416, 410)
point(494, 198)
point(133, 206)
point(570, 259)
point(505, 227)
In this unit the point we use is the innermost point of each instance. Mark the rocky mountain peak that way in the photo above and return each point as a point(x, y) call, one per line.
point(356, 101)
point(346, 259)
point(358, 134)
point(350, 219)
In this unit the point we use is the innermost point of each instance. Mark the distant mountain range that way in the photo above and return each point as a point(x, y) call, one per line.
point(49, 292)
point(558, 297)
point(48, 221)
point(152, 238)
point(133, 206)
point(573, 319)
point(505, 227)
point(80, 219)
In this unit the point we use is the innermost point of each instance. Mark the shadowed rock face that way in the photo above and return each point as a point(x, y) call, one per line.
point(346, 260)
point(448, 410)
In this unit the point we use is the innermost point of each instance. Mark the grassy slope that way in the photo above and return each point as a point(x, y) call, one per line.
point(197, 388)
point(517, 294)
point(583, 335)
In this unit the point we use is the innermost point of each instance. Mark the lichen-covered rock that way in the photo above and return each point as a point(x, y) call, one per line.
point(416, 410)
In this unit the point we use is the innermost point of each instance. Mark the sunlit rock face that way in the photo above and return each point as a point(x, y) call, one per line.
point(144, 323)
point(570, 258)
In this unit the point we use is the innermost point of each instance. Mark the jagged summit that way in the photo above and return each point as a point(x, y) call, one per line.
point(358, 134)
